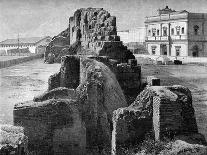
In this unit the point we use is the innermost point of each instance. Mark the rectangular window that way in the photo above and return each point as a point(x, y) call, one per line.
point(178, 30)
point(164, 31)
point(149, 32)
point(153, 32)
point(158, 32)
point(153, 50)
point(182, 30)
point(177, 50)
point(172, 31)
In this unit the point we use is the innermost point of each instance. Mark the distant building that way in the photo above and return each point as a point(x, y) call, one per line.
point(34, 44)
point(133, 35)
point(177, 33)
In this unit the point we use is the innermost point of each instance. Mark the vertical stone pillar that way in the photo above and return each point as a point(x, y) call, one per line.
point(153, 81)
point(167, 119)
point(70, 71)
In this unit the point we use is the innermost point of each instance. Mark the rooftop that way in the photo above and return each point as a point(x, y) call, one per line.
point(31, 40)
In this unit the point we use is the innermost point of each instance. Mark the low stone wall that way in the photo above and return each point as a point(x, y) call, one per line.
point(12, 62)
point(52, 126)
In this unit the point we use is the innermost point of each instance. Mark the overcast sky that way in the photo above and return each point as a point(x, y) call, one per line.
point(49, 17)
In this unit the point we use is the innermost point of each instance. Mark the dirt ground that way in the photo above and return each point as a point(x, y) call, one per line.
point(5, 58)
point(194, 77)
point(21, 83)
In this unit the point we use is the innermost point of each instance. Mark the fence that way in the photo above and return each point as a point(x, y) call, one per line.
point(12, 62)
point(183, 59)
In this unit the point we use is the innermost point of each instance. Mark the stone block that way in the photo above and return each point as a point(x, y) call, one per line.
point(129, 127)
point(173, 113)
point(52, 126)
point(70, 71)
point(153, 81)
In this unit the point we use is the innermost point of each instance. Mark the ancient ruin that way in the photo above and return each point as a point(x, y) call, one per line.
point(91, 31)
point(98, 103)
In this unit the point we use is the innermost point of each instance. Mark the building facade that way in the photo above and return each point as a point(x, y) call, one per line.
point(177, 33)
point(33, 45)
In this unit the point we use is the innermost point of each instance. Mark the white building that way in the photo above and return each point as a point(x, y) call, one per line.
point(133, 35)
point(177, 33)
point(33, 44)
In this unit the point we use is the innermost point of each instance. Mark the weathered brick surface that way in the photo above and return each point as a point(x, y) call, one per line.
point(167, 110)
point(52, 126)
point(173, 113)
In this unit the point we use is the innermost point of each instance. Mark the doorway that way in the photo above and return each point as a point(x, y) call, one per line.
point(195, 51)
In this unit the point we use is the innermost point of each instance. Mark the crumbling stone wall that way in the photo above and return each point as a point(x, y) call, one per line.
point(165, 110)
point(173, 113)
point(99, 94)
point(54, 81)
point(70, 72)
point(129, 77)
point(59, 42)
point(52, 126)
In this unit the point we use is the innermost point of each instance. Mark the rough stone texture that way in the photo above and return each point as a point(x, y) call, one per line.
point(52, 126)
point(58, 43)
point(181, 147)
point(91, 31)
point(129, 77)
point(96, 29)
point(54, 81)
point(167, 110)
point(173, 112)
point(131, 123)
point(60, 92)
point(153, 81)
point(12, 140)
point(99, 94)
point(70, 71)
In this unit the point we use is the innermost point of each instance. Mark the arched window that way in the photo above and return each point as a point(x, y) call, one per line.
point(182, 30)
point(196, 28)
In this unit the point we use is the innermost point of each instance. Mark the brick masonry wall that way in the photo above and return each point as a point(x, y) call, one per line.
point(173, 113)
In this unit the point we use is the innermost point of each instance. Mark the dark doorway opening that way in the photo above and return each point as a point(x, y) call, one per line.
point(195, 51)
